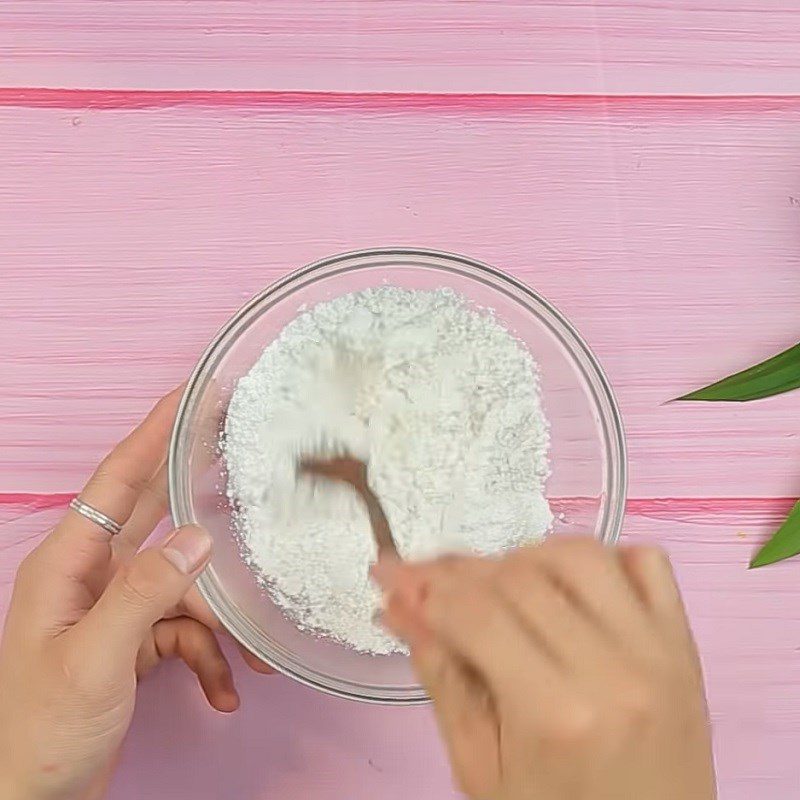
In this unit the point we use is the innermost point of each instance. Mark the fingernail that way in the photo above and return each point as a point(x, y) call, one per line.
point(188, 548)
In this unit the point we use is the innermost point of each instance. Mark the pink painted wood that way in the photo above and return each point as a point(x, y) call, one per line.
point(132, 223)
point(664, 230)
point(584, 46)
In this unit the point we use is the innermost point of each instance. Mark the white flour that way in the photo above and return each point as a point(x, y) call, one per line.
point(443, 403)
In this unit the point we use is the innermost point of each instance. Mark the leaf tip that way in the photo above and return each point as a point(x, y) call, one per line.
point(695, 395)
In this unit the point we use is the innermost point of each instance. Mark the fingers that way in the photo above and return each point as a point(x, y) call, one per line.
point(76, 558)
point(650, 572)
point(140, 594)
point(194, 606)
point(463, 706)
point(573, 602)
point(465, 713)
point(547, 613)
point(118, 482)
point(197, 646)
point(556, 653)
point(462, 610)
point(150, 509)
point(254, 662)
point(541, 615)
point(592, 576)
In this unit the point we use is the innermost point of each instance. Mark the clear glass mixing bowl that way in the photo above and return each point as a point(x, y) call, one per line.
point(586, 489)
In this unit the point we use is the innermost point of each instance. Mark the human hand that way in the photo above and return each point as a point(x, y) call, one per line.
point(90, 615)
point(563, 671)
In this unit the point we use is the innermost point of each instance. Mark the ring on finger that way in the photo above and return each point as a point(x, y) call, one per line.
point(95, 516)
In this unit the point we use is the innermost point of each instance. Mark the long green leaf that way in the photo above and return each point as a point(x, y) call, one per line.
point(777, 375)
point(784, 544)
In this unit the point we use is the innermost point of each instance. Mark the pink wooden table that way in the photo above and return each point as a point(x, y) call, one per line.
point(637, 163)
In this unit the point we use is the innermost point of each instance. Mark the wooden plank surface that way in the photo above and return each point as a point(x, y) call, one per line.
point(667, 232)
point(227, 143)
point(584, 46)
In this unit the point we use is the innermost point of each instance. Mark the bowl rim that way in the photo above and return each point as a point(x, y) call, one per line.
point(595, 379)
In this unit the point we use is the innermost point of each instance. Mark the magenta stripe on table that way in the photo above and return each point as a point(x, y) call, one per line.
point(638, 506)
point(44, 97)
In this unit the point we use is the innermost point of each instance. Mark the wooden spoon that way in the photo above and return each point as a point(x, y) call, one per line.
point(346, 469)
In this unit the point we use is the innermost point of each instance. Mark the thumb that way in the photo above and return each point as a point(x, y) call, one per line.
point(141, 593)
point(466, 716)
point(463, 706)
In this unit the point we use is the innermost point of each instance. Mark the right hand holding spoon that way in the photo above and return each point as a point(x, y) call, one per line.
point(565, 671)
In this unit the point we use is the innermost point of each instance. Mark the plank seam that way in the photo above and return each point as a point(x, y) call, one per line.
point(634, 505)
point(138, 99)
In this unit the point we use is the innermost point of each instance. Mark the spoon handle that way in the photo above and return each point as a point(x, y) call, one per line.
point(380, 525)
point(354, 473)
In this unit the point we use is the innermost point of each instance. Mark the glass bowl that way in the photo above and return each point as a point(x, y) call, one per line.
point(586, 489)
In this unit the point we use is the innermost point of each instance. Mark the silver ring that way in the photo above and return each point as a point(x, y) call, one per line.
point(98, 517)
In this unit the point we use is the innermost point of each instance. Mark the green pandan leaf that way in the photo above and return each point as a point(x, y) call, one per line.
point(775, 376)
point(784, 544)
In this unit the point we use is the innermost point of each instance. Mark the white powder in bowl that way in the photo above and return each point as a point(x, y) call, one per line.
point(439, 398)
